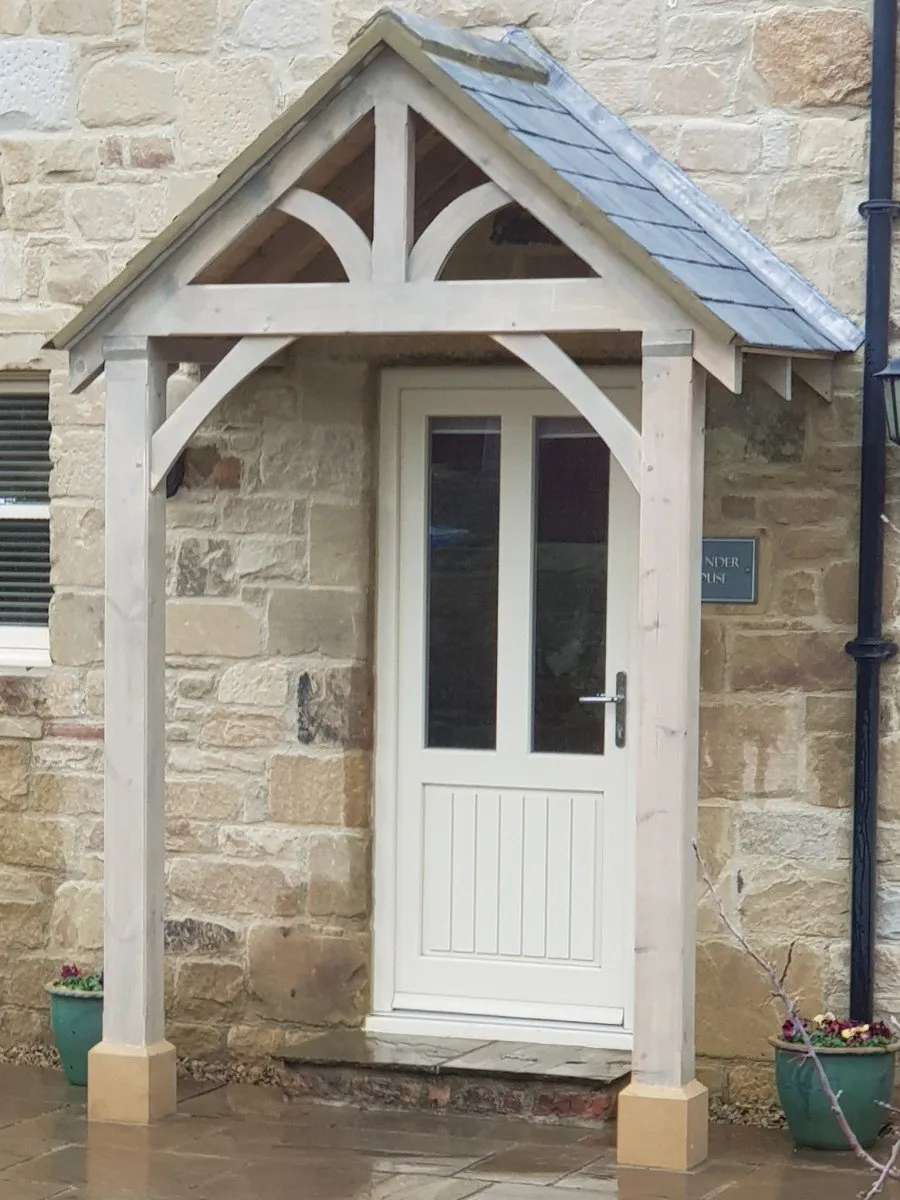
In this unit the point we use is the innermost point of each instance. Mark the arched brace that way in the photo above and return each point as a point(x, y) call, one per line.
point(171, 438)
point(340, 231)
point(435, 245)
point(545, 357)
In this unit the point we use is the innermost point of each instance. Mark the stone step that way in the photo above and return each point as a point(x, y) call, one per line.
point(512, 1079)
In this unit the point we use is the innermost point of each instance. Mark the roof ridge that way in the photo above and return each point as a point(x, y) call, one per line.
point(680, 190)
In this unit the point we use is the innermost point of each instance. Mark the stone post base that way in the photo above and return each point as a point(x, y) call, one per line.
point(663, 1127)
point(134, 1085)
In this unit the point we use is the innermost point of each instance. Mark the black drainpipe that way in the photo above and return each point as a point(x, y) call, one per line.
point(869, 649)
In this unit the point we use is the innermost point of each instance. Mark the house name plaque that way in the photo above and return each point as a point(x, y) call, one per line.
point(729, 571)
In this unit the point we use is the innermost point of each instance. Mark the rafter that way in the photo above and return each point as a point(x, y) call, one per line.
point(340, 231)
point(449, 227)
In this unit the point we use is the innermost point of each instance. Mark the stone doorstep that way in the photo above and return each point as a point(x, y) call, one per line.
point(561, 1083)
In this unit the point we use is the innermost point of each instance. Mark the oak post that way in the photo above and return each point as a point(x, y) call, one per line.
point(663, 1113)
point(132, 1071)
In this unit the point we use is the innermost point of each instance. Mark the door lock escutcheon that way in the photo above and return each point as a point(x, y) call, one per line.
point(620, 700)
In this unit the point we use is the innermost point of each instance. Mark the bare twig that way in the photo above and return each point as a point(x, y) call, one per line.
point(787, 963)
point(884, 1171)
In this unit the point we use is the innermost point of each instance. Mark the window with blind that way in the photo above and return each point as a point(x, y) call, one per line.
point(24, 522)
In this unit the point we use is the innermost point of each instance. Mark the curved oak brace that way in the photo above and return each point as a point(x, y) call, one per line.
point(338, 229)
point(172, 437)
point(545, 357)
point(437, 242)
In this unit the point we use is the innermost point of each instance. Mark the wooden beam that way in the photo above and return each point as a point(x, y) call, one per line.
point(206, 352)
point(135, 733)
point(554, 365)
point(169, 440)
point(817, 373)
point(340, 231)
point(495, 306)
point(673, 411)
point(774, 370)
point(395, 185)
point(200, 246)
point(449, 227)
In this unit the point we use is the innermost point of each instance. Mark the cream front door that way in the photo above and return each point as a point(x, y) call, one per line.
point(506, 841)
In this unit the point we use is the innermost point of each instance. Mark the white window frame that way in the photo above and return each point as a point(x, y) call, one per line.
point(24, 649)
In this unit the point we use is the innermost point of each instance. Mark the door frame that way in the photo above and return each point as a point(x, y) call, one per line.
point(384, 1018)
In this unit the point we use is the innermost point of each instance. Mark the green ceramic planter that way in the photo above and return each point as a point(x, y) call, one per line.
point(864, 1079)
point(76, 1019)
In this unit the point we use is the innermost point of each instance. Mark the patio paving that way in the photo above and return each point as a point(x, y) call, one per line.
point(249, 1143)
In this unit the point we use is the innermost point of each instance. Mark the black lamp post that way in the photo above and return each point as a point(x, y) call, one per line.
point(890, 378)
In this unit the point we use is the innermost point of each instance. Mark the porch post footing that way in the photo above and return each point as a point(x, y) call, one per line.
point(134, 1085)
point(663, 1127)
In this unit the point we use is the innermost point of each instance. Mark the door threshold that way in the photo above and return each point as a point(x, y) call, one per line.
point(496, 1029)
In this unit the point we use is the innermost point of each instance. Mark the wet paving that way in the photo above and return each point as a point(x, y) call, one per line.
point(238, 1142)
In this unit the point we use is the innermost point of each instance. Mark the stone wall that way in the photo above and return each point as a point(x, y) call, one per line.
point(113, 115)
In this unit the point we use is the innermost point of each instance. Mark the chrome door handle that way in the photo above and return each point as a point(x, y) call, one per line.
point(620, 700)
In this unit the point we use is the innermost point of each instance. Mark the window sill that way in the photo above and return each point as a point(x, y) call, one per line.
point(34, 663)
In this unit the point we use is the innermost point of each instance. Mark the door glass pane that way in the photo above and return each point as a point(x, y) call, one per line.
point(570, 563)
point(463, 551)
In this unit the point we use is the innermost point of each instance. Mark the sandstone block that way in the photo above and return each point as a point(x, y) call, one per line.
point(715, 837)
point(12, 268)
point(689, 89)
point(813, 57)
point(229, 887)
point(829, 768)
point(75, 16)
point(255, 1043)
point(74, 276)
point(810, 901)
point(16, 154)
point(306, 977)
point(189, 837)
point(204, 567)
point(119, 92)
point(15, 16)
point(149, 152)
point(203, 1041)
point(206, 467)
point(829, 714)
point(185, 25)
point(283, 559)
point(221, 628)
point(36, 84)
point(797, 595)
point(249, 514)
point(712, 656)
point(729, 981)
point(187, 935)
point(832, 143)
point(263, 841)
point(30, 841)
point(223, 106)
point(839, 592)
point(77, 921)
point(15, 764)
point(34, 209)
point(748, 750)
point(334, 707)
point(339, 874)
point(795, 832)
point(76, 628)
point(77, 795)
point(719, 146)
point(255, 685)
point(241, 730)
point(23, 923)
point(304, 790)
point(275, 24)
point(211, 799)
point(819, 212)
point(339, 545)
point(76, 545)
point(706, 35)
point(21, 727)
point(102, 213)
point(332, 459)
point(808, 660)
point(68, 159)
point(208, 991)
point(752, 1084)
point(317, 621)
point(618, 31)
